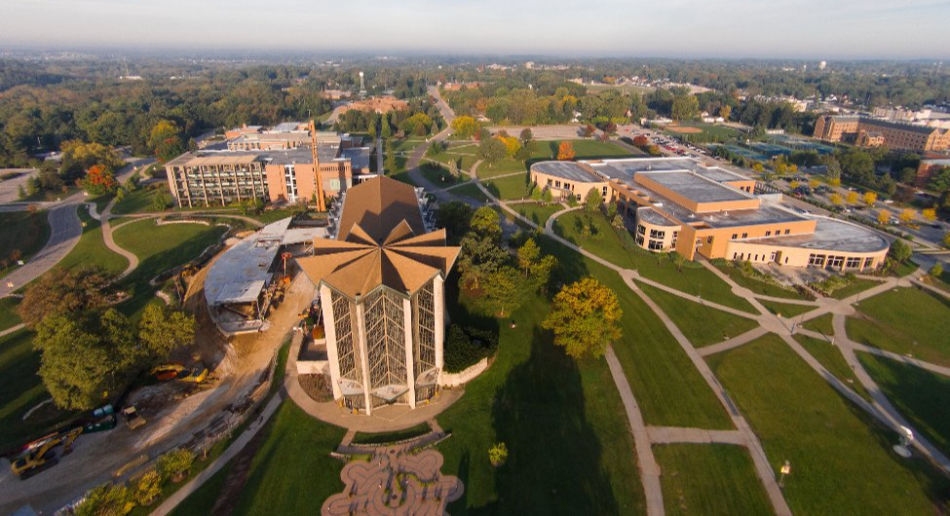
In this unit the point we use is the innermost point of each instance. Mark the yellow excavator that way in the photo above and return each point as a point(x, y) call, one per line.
point(167, 372)
point(40, 454)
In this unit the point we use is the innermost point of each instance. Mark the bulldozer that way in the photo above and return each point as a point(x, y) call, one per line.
point(167, 372)
point(40, 454)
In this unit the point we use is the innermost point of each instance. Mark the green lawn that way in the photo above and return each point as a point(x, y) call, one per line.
point(906, 321)
point(855, 286)
point(710, 479)
point(470, 190)
point(786, 310)
point(670, 375)
point(711, 132)
point(138, 201)
point(570, 448)
point(919, 395)
point(22, 234)
point(618, 248)
point(91, 249)
point(701, 324)
point(536, 212)
point(293, 459)
point(836, 453)
point(500, 167)
point(512, 187)
point(159, 249)
point(821, 324)
point(437, 175)
point(592, 149)
point(830, 357)
point(200, 502)
point(8, 315)
point(755, 285)
point(20, 390)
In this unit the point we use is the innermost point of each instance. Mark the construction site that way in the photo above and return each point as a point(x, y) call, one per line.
point(197, 398)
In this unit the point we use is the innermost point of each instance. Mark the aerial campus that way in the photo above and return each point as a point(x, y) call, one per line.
point(472, 280)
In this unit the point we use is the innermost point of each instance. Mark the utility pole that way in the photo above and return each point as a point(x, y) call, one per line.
point(321, 203)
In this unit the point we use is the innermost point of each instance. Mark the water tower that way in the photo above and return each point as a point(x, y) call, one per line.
point(362, 86)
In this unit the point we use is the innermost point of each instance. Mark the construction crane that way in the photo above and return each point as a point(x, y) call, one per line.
point(41, 455)
point(321, 203)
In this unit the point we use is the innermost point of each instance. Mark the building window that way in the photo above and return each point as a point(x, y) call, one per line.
point(709, 239)
point(787, 231)
point(557, 184)
point(640, 240)
point(745, 235)
point(768, 233)
point(655, 233)
point(641, 229)
point(549, 181)
point(773, 256)
point(734, 256)
point(853, 263)
point(656, 245)
point(868, 262)
point(816, 260)
point(604, 192)
point(835, 262)
point(735, 236)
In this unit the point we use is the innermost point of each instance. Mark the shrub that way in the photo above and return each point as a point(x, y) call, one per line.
point(148, 487)
point(466, 346)
point(498, 454)
point(937, 270)
point(105, 500)
point(175, 464)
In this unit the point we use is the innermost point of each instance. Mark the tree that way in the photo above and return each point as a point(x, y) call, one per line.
point(929, 214)
point(99, 181)
point(528, 255)
point(418, 124)
point(585, 318)
point(678, 260)
point(465, 126)
point(512, 145)
point(505, 290)
point(105, 500)
point(836, 199)
point(165, 140)
point(498, 454)
point(907, 215)
point(65, 292)
point(758, 167)
point(160, 201)
point(526, 136)
point(175, 464)
point(486, 222)
point(593, 201)
point(870, 198)
point(75, 367)
point(162, 330)
point(685, 107)
point(900, 251)
point(833, 171)
point(491, 150)
point(937, 270)
point(724, 111)
point(565, 151)
point(939, 180)
point(852, 197)
point(481, 253)
point(148, 487)
point(946, 239)
point(454, 216)
point(857, 165)
point(883, 217)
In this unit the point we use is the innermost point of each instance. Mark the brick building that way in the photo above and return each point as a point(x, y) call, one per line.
point(871, 132)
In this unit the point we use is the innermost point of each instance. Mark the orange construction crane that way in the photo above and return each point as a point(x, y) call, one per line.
point(321, 203)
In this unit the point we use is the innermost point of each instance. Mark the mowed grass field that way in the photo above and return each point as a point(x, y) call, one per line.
point(701, 324)
point(22, 234)
point(536, 212)
point(919, 395)
point(91, 249)
point(836, 452)
point(710, 479)
point(906, 321)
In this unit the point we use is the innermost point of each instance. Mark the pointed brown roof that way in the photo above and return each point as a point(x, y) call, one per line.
point(377, 205)
point(401, 257)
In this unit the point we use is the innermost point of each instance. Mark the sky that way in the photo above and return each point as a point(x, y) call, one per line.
point(811, 29)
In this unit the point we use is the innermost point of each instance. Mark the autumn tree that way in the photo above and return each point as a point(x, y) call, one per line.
point(907, 215)
point(937, 270)
point(565, 151)
point(852, 197)
point(512, 145)
point(105, 500)
point(166, 140)
point(929, 214)
point(65, 292)
point(465, 127)
point(724, 111)
point(836, 199)
point(870, 198)
point(528, 255)
point(99, 181)
point(883, 217)
point(585, 318)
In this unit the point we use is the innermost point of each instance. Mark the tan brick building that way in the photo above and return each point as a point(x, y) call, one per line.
point(683, 205)
point(871, 132)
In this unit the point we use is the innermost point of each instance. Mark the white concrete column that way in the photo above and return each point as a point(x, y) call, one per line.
point(438, 312)
point(329, 328)
point(360, 343)
point(407, 333)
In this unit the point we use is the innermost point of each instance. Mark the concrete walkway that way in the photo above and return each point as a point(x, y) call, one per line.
point(676, 435)
point(646, 462)
point(12, 329)
point(110, 242)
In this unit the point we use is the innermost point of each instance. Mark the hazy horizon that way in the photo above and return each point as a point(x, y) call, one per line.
point(729, 29)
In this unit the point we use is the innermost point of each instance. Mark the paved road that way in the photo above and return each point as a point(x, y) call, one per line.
point(10, 188)
point(65, 230)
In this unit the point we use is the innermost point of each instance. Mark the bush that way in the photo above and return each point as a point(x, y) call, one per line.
point(106, 500)
point(175, 464)
point(465, 347)
point(148, 487)
point(498, 454)
point(937, 270)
